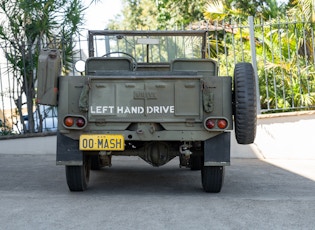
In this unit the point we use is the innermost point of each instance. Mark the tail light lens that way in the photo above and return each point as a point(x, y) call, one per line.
point(222, 123)
point(210, 123)
point(74, 122)
point(80, 122)
point(68, 121)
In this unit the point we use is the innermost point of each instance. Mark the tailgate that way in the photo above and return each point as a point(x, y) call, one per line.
point(145, 99)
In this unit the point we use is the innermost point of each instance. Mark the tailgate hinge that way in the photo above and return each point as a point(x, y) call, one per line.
point(207, 97)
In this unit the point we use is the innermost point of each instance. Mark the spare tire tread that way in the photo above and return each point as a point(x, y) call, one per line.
point(245, 105)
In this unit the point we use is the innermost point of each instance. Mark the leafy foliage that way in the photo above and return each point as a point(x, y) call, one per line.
point(159, 14)
point(284, 49)
point(29, 25)
point(240, 10)
point(180, 12)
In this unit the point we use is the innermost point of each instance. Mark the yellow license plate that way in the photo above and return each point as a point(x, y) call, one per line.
point(102, 142)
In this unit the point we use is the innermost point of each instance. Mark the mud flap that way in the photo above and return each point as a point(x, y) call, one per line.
point(217, 150)
point(68, 152)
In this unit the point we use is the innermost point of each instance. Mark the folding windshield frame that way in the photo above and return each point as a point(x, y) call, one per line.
point(199, 33)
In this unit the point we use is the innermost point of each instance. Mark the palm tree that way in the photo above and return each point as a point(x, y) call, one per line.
point(29, 25)
point(240, 10)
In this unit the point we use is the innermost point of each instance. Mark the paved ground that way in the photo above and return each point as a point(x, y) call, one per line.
point(134, 195)
point(270, 185)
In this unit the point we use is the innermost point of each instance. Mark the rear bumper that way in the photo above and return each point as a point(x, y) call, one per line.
point(149, 135)
point(216, 150)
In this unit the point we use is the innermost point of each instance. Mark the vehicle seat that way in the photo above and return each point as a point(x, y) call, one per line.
point(207, 67)
point(99, 65)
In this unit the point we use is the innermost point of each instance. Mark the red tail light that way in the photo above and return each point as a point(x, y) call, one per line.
point(215, 123)
point(68, 121)
point(74, 122)
point(222, 124)
point(80, 122)
point(210, 124)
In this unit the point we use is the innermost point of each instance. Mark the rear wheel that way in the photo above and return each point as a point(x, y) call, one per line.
point(212, 178)
point(245, 105)
point(78, 176)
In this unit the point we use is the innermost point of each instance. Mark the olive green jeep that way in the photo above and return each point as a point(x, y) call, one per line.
point(151, 94)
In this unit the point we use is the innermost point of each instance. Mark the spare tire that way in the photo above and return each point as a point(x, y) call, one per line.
point(244, 103)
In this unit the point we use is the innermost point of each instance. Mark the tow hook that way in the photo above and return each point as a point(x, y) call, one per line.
point(184, 149)
point(184, 155)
